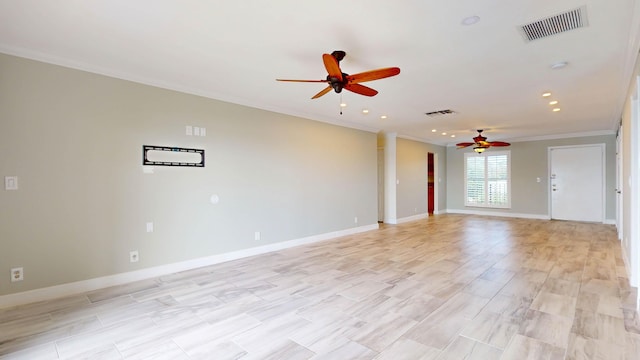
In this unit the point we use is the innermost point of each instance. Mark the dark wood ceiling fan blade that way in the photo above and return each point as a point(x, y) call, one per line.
point(332, 66)
point(373, 75)
point(361, 89)
point(499, 143)
point(326, 90)
point(294, 80)
point(464, 144)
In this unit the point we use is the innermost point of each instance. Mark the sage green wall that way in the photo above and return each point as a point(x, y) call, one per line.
point(75, 140)
point(411, 170)
point(529, 160)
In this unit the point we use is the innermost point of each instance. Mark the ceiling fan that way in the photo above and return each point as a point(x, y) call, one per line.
point(481, 143)
point(338, 80)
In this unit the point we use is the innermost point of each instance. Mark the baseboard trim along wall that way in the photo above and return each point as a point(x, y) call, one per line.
point(513, 215)
point(123, 278)
point(498, 213)
point(412, 218)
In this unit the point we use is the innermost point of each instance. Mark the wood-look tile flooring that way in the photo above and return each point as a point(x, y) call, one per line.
point(450, 287)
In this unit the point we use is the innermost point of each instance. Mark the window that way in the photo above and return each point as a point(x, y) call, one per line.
point(487, 179)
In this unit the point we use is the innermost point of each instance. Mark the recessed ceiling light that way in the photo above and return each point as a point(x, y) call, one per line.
point(470, 20)
point(453, 136)
point(546, 94)
point(553, 102)
point(434, 130)
point(383, 117)
point(559, 65)
point(556, 109)
point(365, 111)
point(343, 105)
point(444, 133)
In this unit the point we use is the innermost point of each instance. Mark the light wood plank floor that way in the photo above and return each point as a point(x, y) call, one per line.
point(450, 287)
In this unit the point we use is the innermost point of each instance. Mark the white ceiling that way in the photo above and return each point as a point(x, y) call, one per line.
point(234, 50)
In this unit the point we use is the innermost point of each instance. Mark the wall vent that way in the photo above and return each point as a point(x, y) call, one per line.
point(440, 112)
point(573, 19)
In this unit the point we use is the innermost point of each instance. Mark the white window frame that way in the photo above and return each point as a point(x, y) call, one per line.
point(485, 155)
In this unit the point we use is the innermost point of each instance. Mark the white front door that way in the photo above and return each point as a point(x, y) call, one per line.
point(577, 182)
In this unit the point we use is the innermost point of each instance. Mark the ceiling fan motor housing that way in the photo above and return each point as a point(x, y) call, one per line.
point(336, 83)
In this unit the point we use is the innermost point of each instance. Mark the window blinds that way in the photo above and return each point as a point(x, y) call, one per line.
point(487, 180)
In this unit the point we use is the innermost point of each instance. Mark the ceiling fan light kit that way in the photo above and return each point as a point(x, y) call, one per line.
point(481, 143)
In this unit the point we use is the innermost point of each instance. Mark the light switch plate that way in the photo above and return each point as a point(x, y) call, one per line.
point(11, 183)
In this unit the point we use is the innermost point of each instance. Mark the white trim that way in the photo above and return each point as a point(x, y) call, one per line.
point(426, 141)
point(412, 218)
point(603, 149)
point(163, 84)
point(123, 278)
point(620, 183)
point(564, 136)
point(436, 184)
point(508, 214)
point(628, 269)
point(498, 213)
point(553, 136)
point(633, 185)
point(485, 157)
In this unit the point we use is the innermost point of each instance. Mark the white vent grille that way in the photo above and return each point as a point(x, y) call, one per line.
point(573, 19)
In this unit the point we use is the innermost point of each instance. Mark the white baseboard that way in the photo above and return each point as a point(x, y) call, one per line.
point(412, 218)
point(633, 278)
point(514, 215)
point(498, 213)
point(123, 278)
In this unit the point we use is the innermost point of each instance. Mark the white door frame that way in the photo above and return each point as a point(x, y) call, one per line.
point(436, 184)
point(604, 178)
point(619, 184)
point(633, 182)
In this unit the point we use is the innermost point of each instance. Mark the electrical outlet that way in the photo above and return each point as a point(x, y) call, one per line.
point(11, 183)
point(149, 227)
point(355, 220)
point(17, 274)
point(257, 236)
point(133, 256)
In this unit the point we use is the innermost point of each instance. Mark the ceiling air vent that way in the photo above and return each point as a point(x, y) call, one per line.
point(440, 112)
point(573, 19)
